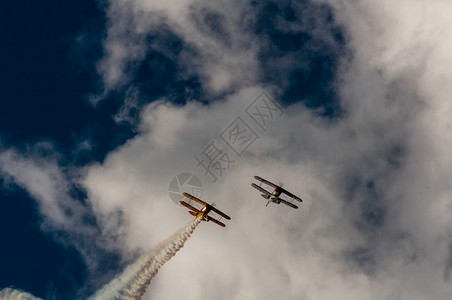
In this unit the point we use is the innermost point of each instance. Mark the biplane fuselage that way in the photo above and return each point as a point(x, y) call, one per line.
point(273, 197)
point(276, 193)
point(202, 214)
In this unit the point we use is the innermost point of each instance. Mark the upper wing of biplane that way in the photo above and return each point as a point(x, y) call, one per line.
point(208, 205)
point(265, 181)
point(291, 195)
point(195, 199)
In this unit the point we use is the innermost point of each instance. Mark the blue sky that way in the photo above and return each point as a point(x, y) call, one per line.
point(47, 76)
point(103, 102)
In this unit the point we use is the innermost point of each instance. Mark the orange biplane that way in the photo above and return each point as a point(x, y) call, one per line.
point(203, 213)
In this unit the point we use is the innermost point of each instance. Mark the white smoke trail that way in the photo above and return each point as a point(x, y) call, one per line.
point(12, 294)
point(132, 283)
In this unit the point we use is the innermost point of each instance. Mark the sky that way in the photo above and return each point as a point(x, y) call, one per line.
point(344, 102)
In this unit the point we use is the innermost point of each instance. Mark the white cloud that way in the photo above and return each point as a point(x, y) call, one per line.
point(215, 46)
point(12, 294)
point(44, 180)
point(376, 220)
point(68, 219)
point(274, 250)
point(266, 249)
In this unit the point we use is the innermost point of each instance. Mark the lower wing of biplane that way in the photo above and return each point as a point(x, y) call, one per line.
point(203, 213)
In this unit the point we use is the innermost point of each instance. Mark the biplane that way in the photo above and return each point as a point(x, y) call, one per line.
point(203, 213)
point(275, 196)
